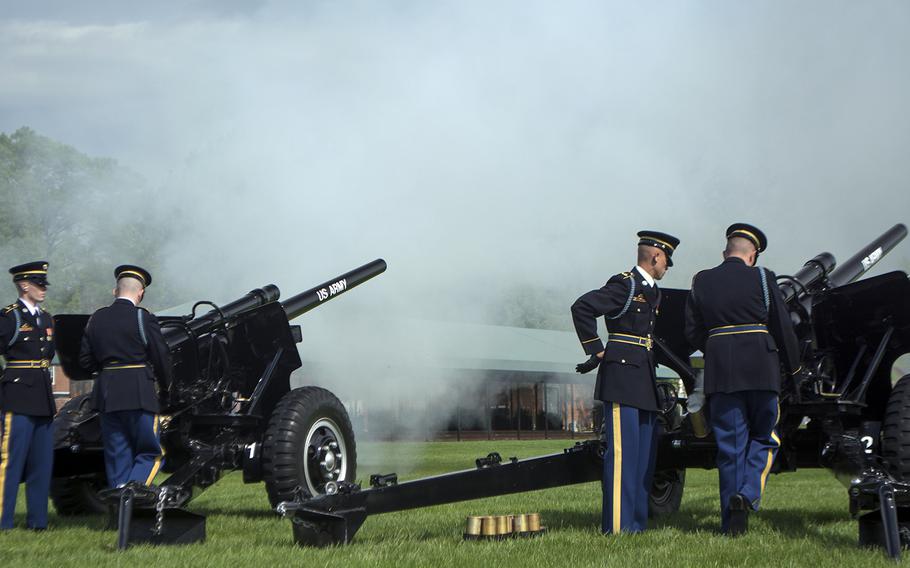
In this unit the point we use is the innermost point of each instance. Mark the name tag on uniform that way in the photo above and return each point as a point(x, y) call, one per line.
point(26, 327)
point(639, 298)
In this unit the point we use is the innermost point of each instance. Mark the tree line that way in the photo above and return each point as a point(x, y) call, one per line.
point(84, 215)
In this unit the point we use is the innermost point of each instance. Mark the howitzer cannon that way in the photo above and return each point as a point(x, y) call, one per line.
point(841, 412)
point(230, 407)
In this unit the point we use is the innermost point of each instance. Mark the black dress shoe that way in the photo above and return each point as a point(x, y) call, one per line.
point(739, 516)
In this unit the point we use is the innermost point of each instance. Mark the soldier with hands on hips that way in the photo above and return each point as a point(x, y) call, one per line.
point(27, 405)
point(124, 346)
point(626, 378)
point(736, 315)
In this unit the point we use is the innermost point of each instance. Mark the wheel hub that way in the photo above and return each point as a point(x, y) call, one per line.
point(325, 456)
point(329, 460)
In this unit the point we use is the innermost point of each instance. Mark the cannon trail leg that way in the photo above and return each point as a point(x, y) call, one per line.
point(334, 518)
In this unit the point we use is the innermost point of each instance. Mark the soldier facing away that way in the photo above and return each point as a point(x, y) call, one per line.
point(735, 314)
point(626, 379)
point(27, 405)
point(124, 346)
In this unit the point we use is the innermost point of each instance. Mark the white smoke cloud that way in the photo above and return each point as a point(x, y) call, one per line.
point(477, 145)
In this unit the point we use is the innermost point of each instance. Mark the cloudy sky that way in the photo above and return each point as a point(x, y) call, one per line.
point(477, 145)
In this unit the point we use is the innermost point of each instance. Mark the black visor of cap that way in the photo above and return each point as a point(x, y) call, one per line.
point(32, 271)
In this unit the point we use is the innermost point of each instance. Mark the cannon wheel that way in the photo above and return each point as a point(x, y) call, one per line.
point(309, 442)
point(75, 495)
point(666, 492)
point(896, 430)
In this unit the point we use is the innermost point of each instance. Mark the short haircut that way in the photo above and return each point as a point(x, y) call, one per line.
point(129, 285)
point(646, 253)
point(740, 245)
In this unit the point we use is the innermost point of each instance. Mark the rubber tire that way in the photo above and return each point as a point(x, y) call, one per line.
point(282, 448)
point(896, 430)
point(666, 492)
point(76, 495)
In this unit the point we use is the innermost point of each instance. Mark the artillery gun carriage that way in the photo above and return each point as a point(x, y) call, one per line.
point(230, 407)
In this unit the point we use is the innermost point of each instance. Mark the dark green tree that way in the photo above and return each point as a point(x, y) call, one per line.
point(83, 214)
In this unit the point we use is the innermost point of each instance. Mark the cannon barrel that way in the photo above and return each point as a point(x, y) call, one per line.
point(306, 301)
point(295, 306)
point(823, 272)
point(206, 322)
point(809, 277)
point(866, 258)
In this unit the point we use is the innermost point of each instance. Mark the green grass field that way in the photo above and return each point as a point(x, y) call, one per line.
point(804, 522)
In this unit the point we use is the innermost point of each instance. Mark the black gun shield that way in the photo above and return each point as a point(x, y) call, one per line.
point(863, 308)
point(670, 324)
point(68, 331)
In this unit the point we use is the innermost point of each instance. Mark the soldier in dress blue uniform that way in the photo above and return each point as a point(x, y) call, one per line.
point(735, 314)
point(27, 405)
point(124, 346)
point(626, 381)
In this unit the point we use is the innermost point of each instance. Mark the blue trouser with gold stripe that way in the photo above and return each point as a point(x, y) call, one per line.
point(26, 454)
point(743, 424)
point(132, 449)
point(628, 467)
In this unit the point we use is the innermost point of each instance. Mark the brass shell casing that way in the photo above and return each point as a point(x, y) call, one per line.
point(473, 526)
point(534, 522)
point(503, 524)
point(520, 523)
point(700, 426)
point(488, 526)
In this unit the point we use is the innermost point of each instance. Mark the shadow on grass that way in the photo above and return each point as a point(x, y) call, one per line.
point(99, 523)
point(263, 513)
point(556, 518)
point(787, 523)
point(688, 521)
point(800, 523)
point(703, 516)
